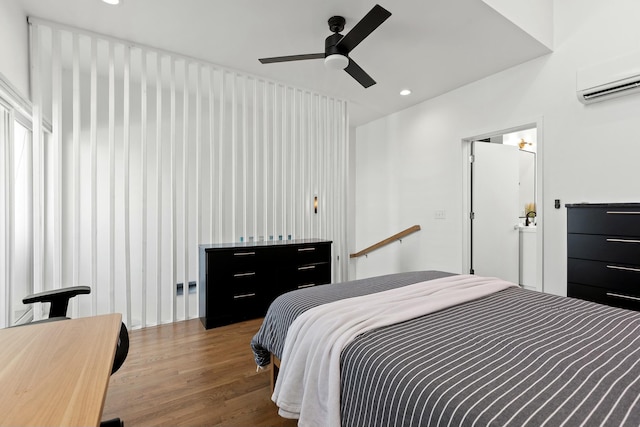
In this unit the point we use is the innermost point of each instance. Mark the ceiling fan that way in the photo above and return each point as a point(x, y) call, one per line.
point(337, 47)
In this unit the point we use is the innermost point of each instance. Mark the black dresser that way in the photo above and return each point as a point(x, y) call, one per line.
point(603, 250)
point(238, 281)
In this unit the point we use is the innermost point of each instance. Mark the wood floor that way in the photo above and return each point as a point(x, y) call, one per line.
point(183, 375)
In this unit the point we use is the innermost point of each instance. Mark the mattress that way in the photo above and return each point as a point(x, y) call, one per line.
point(287, 307)
point(516, 357)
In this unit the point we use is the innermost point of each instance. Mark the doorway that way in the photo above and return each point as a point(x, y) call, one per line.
point(503, 205)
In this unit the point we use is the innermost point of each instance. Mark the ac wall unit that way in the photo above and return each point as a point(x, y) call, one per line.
point(616, 77)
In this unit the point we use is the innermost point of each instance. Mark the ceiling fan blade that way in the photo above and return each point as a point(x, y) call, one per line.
point(362, 29)
point(291, 58)
point(359, 74)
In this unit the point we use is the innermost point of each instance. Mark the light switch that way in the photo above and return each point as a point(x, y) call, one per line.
point(441, 214)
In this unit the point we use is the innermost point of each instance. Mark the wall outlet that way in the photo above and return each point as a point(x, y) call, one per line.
point(180, 288)
point(440, 214)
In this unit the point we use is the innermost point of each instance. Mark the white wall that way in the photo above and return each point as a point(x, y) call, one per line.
point(409, 164)
point(14, 45)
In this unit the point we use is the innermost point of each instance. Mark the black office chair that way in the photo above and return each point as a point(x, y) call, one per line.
point(59, 299)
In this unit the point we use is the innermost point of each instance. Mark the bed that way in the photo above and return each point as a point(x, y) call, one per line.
point(513, 357)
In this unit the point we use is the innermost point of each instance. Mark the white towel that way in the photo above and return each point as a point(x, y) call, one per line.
point(308, 384)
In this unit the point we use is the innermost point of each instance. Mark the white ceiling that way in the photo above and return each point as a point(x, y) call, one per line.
point(428, 46)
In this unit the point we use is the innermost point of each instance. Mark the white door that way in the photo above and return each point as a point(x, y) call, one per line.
point(494, 203)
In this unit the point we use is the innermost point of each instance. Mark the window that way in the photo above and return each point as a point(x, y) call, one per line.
point(16, 209)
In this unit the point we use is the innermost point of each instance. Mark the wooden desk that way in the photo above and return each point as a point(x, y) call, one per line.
point(57, 373)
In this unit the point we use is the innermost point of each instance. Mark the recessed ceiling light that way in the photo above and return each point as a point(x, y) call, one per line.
point(112, 1)
point(405, 92)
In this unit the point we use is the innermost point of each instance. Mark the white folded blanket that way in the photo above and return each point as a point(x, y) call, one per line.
point(308, 384)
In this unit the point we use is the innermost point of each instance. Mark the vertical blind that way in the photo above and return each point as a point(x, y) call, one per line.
point(153, 153)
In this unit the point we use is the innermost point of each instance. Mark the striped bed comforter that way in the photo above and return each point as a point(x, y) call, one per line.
point(516, 357)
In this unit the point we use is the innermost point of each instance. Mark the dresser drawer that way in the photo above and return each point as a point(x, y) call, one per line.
point(226, 309)
point(604, 296)
point(611, 220)
point(236, 260)
point(605, 275)
point(312, 275)
point(310, 254)
point(604, 248)
point(247, 305)
point(228, 281)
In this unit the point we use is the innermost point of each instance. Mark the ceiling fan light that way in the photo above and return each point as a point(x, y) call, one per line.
point(336, 62)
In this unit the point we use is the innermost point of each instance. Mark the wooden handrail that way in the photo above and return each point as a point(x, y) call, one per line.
point(386, 241)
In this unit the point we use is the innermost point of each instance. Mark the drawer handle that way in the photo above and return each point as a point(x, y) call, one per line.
point(307, 267)
point(244, 274)
point(243, 253)
point(611, 294)
point(616, 267)
point(622, 213)
point(623, 240)
point(306, 286)
point(306, 249)
point(253, 294)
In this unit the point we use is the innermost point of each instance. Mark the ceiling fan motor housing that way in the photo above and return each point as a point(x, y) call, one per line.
point(334, 57)
point(330, 45)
